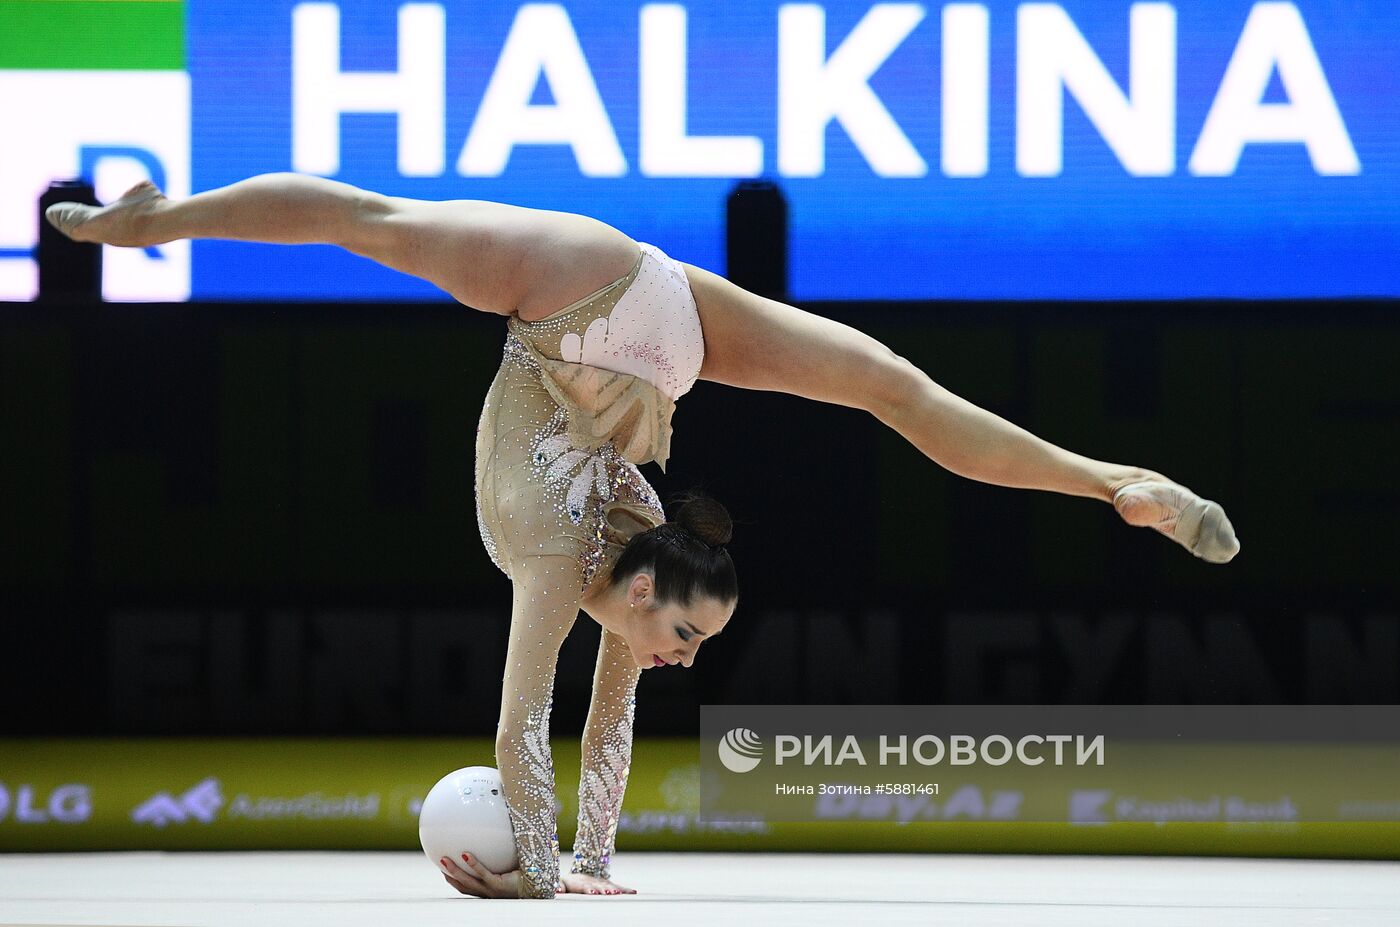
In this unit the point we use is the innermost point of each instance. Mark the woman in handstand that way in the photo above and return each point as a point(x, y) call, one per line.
point(604, 334)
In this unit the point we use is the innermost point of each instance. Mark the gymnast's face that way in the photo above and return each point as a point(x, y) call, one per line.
point(669, 635)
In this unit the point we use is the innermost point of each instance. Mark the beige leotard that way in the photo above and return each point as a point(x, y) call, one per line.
point(581, 398)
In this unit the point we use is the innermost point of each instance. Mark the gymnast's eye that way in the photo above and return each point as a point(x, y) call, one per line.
point(682, 635)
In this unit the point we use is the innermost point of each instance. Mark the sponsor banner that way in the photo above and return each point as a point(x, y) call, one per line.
point(96, 90)
point(984, 150)
point(1087, 765)
point(245, 794)
point(117, 127)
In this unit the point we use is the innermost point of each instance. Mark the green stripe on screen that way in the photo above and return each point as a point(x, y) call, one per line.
point(90, 35)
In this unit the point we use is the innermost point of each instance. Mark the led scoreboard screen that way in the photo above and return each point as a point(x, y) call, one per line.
point(1087, 149)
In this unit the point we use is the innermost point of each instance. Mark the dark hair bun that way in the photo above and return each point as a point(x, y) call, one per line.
point(686, 555)
point(703, 517)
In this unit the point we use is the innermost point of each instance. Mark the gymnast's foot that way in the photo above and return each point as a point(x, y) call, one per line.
point(123, 222)
point(1197, 524)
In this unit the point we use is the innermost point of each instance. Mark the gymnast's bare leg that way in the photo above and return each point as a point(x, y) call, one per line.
point(490, 256)
point(758, 343)
point(511, 260)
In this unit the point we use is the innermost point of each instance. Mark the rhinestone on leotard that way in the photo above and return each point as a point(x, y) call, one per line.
point(541, 500)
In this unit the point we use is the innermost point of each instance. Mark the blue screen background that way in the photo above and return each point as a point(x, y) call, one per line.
point(1275, 229)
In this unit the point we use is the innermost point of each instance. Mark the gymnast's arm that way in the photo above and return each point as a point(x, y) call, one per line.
point(546, 603)
point(607, 754)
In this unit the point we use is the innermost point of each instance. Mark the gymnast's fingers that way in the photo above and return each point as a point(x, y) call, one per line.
point(497, 884)
point(464, 882)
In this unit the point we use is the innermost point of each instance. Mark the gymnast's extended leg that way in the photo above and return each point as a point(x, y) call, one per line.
point(758, 343)
point(490, 256)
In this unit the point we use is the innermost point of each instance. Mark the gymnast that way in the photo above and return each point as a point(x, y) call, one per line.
point(603, 335)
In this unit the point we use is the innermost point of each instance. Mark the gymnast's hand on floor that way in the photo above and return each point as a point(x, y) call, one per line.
point(576, 883)
point(477, 880)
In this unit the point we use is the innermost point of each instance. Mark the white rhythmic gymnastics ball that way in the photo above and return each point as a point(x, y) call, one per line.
point(466, 813)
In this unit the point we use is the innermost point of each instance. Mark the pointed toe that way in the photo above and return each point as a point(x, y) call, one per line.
point(1197, 524)
point(1216, 542)
point(67, 216)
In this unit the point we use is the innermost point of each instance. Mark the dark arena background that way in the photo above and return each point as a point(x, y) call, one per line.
point(244, 602)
